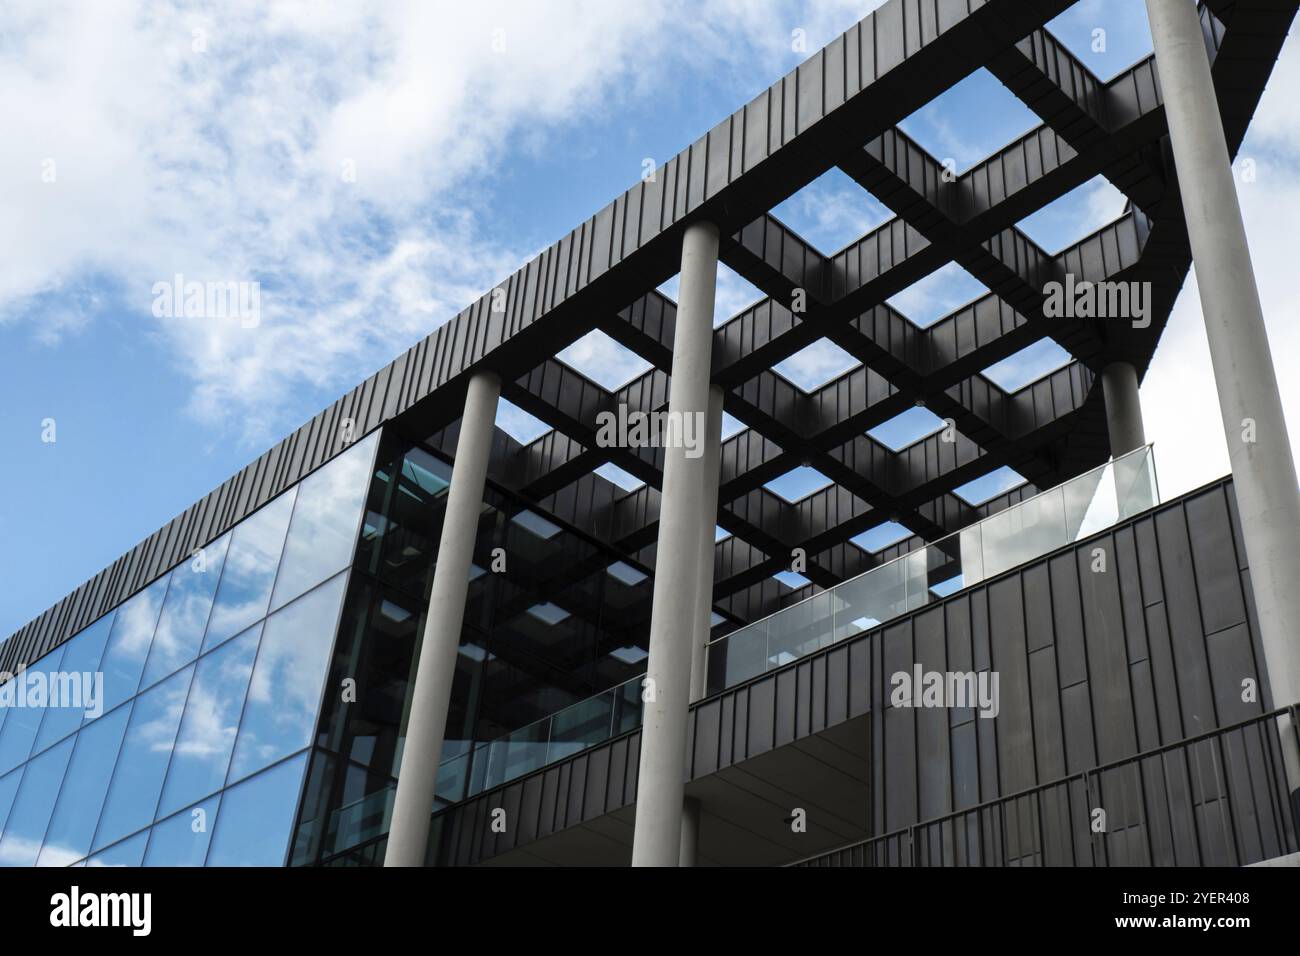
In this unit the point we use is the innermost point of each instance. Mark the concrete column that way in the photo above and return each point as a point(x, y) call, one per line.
point(408, 835)
point(1119, 384)
point(660, 787)
point(708, 522)
point(1263, 470)
point(690, 846)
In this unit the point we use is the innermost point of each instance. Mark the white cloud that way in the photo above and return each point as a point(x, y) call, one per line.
point(816, 364)
point(226, 162)
point(604, 361)
point(733, 295)
point(832, 211)
point(938, 294)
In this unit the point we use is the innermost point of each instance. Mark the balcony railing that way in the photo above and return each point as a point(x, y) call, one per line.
point(1217, 799)
point(1082, 506)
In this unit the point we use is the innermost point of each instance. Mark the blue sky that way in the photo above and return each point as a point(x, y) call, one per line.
point(375, 170)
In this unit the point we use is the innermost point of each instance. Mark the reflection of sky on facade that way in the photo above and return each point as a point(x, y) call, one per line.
point(157, 750)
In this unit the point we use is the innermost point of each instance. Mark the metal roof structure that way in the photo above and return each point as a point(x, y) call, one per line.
point(839, 109)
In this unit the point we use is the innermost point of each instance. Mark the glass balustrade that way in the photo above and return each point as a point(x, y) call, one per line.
point(1080, 507)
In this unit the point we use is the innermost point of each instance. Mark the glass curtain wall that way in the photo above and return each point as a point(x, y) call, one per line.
point(553, 617)
point(190, 744)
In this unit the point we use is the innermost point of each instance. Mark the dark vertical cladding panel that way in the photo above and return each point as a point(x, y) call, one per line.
point(833, 83)
point(789, 108)
point(803, 699)
point(784, 710)
point(1130, 586)
point(1071, 654)
point(810, 79)
point(698, 173)
point(1079, 738)
point(1214, 557)
point(526, 818)
point(1163, 673)
point(708, 722)
point(633, 768)
point(762, 698)
point(511, 801)
point(597, 783)
point(756, 130)
point(578, 770)
point(468, 823)
point(838, 690)
point(1232, 663)
point(1015, 727)
point(1045, 700)
point(889, 36)
point(602, 237)
point(1039, 631)
point(898, 727)
point(726, 730)
point(719, 159)
point(736, 162)
point(818, 704)
point(776, 116)
point(1185, 631)
point(933, 756)
point(740, 740)
point(1107, 652)
point(852, 54)
point(867, 71)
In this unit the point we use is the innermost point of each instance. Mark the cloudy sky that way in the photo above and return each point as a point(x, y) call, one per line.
point(376, 167)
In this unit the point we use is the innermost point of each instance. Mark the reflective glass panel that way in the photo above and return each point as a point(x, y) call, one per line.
point(1089, 503)
point(133, 797)
point(284, 694)
point(24, 709)
point(127, 853)
point(571, 730)
point(182, 840)
point(84, 786)
point(1021, 533)
point(18, 696)
point(790, 634)
point(249, 573)
point(742, 654)
point(8, 790)
point(32, 808)
point(323, 532)
point(82, 656)
point(185, 612)
point(256, 817)
point(207, 734)
point(128, 644)
point(1135, 482)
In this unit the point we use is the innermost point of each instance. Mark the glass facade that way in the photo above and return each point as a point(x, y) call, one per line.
point(217, 736)
point(552, 618)
point(196, 749)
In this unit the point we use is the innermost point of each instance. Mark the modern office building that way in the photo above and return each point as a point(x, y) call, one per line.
point(401, 636)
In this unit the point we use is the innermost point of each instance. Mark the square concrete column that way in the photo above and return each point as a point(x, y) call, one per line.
point(408, 835)
point(666, 694)
point(1263, 469)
